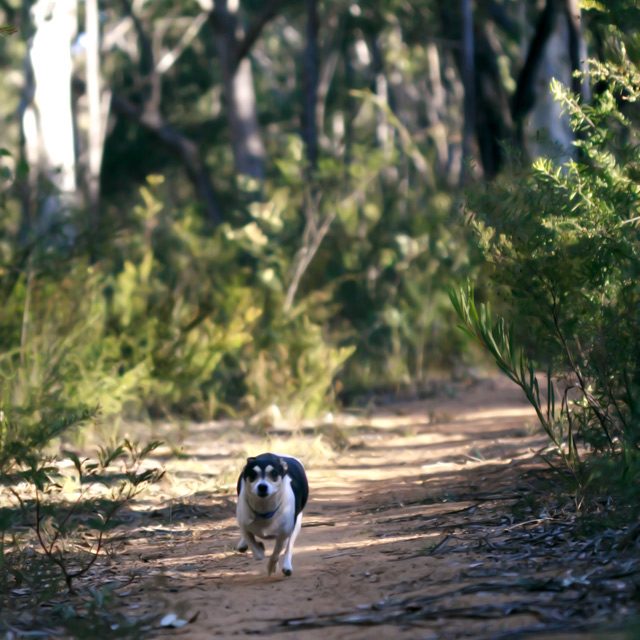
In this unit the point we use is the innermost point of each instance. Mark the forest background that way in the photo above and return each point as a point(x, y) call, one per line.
point(210, 209)
point(215, 209)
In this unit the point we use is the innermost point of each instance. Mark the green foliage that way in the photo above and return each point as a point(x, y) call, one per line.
point(53, 526)
point(171, 318)
point(497, 337)
point(564, 247)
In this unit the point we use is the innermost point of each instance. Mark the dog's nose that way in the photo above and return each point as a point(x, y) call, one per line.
point(262, 489)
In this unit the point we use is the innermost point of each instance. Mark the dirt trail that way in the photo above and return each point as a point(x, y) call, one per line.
point(422, 527)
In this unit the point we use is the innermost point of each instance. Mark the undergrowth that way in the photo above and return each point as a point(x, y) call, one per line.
point(58, 514)
point(563, 245)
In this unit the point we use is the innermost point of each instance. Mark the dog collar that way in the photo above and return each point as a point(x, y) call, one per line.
point(266, 516)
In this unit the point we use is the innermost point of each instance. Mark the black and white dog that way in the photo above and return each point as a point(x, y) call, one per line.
point(272, 492)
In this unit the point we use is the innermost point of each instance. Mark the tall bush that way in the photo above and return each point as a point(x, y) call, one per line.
point(563, 245)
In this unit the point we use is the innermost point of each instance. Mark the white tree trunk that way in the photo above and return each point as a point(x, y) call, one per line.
point(48, 121)
point(96, 120)
point(246, 139)
point(243, 120)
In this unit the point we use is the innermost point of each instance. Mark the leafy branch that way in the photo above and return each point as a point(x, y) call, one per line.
point(56, 528)
point(497, 337)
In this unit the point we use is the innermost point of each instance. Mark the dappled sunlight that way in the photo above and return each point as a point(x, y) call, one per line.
point(395, 240)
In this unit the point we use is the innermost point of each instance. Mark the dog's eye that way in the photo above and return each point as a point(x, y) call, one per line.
point(251, 476)
point(274, 474)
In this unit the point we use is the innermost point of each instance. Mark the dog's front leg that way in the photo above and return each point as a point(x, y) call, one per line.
point(257, 548)
point(277, 550)
point(287, 569)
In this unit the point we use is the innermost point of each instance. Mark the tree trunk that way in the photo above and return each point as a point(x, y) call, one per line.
point(384, 131)
point(95, 133)
point(556, 51)
point(436, 106)
point(468, 80)
point(246, 140)
point(494, 125)
point(48, 120)
point(311, 75)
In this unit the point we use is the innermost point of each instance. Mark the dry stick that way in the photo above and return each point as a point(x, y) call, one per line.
point(312, 239)
point(48, 552)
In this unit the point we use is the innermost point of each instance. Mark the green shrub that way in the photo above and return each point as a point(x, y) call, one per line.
point(563, 244)
point(62, 513)
point(172, 317)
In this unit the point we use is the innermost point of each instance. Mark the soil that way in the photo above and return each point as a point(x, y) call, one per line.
point(438, 520)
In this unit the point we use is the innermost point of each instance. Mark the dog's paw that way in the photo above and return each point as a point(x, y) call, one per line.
point(258, 552)
point(271, 565)
point(287, 569)
point(242, 546)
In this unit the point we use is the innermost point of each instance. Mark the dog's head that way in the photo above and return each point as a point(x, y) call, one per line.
point(263, 475)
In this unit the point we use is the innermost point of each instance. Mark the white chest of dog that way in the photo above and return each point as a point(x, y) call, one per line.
point(272, 492)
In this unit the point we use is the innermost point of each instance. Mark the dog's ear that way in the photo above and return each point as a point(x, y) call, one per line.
point(251, 461)
point(284, 465)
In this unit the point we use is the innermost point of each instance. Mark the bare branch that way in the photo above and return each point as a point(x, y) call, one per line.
point(270, 11)
point(311, 240)
point(146, 57)
point(185, 148)
point(169, 58)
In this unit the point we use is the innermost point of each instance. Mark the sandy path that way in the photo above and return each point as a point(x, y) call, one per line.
point(422, 528)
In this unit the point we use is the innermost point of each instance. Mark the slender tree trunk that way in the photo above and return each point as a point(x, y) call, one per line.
point(577, 49)
point(48, 120)
point(468, 79)
point(384, 131)
point(311, 75)
point(494, 125)
point(329, 59)
point(246, 138)
point(436, 106)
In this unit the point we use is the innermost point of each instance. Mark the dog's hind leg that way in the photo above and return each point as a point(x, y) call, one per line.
point(287, 569)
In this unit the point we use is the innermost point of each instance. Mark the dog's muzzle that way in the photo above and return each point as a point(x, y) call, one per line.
point(263, 490)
